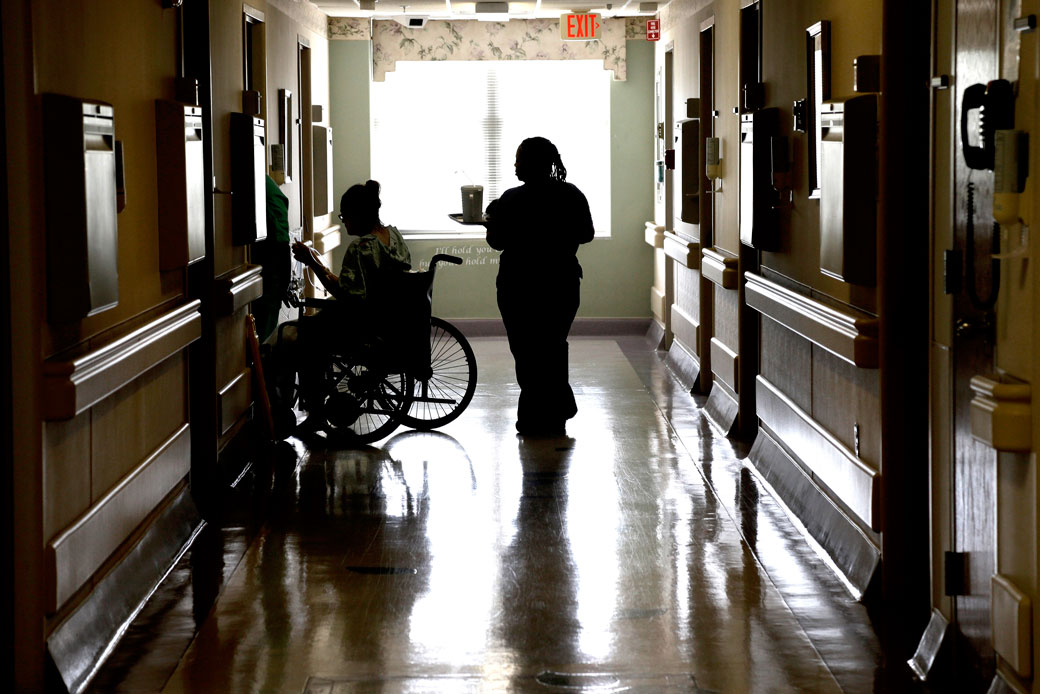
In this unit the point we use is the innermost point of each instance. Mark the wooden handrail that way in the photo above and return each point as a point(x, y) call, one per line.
point(846, 333)
point(71, 385)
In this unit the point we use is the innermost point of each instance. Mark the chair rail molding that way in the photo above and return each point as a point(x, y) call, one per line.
point(73, 384)
point(686, 252)
point(719, 269)
point(653, 234)
point(328, 239)
point(846, 333)
point(239, 287)
point(1002, 414)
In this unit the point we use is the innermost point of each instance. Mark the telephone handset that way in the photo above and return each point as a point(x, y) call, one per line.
point(995, 102)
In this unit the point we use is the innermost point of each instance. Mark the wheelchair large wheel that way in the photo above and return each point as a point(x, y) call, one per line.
point(364, 405)
point(447, 392)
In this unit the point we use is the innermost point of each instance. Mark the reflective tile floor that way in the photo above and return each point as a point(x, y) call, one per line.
point(635, 554)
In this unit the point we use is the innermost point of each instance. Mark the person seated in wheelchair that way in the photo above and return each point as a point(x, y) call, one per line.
point(365, 291)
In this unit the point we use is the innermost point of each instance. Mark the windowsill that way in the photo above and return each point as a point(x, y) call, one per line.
point(444, 235)
point(462, 235)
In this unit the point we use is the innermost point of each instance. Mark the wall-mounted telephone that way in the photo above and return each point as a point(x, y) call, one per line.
point(995, 103)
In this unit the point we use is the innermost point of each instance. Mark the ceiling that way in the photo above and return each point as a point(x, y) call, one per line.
point(452, 9)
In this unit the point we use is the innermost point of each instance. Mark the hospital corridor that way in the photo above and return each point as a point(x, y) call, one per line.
point(635, 553)
point(519, 347)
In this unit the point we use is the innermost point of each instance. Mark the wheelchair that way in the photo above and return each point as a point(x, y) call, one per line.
point(419, 372)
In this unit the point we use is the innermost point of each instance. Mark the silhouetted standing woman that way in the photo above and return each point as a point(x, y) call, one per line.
point(538, 227)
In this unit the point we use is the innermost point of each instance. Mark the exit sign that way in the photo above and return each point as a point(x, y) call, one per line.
point(579, 27)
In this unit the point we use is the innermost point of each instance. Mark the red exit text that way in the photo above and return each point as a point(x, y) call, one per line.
point(579, 27)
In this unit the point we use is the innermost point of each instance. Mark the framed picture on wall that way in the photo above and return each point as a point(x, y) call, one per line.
point(818, 85)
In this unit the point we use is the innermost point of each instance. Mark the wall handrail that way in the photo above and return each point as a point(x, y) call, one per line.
point(72, 385)
point(683, 250)
point(845, 333)
point(238, 288)
point(653, 234)
point(325, 240)
point(719, 269)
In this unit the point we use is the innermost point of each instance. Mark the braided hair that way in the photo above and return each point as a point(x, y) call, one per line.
point(360, 204)
point(537, 158)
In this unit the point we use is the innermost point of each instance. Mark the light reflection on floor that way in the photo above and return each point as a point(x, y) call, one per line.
point(618, 558)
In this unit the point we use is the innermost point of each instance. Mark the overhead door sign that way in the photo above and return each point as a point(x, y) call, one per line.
point(579, 27)
point(653, 30)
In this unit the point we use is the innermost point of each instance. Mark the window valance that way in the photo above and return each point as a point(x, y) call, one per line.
point(517, 39)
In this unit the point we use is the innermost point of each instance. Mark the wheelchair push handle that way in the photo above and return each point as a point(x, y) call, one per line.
point(445, 258)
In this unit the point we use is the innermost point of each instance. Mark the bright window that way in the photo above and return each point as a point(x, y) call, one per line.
point(437, 126)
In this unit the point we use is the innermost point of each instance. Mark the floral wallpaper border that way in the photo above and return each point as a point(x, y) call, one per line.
point(359, 28)
point(349, 29)
point(518, 39)
point(635, 28)
point(523, 39)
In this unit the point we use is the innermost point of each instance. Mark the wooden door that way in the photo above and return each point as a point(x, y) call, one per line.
point(972, 473)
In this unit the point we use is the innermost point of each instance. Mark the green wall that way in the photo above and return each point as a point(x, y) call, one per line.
point(618, 270)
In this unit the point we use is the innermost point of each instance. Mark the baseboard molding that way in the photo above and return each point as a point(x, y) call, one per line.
point(724, 363)
point(582, 327)
point(999, 685)
point(83, 548)
point(235, 398)
point(655, 335)
point(852, 555)
point(684, 364)
point(686, 328)
point(80, 644)
point(853, 482)
point(658, 303)
point(931, 643)
point(722, 408)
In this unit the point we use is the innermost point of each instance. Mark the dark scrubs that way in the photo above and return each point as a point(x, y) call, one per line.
point(538, 227)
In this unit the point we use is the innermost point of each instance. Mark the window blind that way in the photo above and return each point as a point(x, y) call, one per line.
point(437, 126)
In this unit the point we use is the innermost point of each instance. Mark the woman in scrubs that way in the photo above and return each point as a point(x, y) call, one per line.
point(538, 226)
